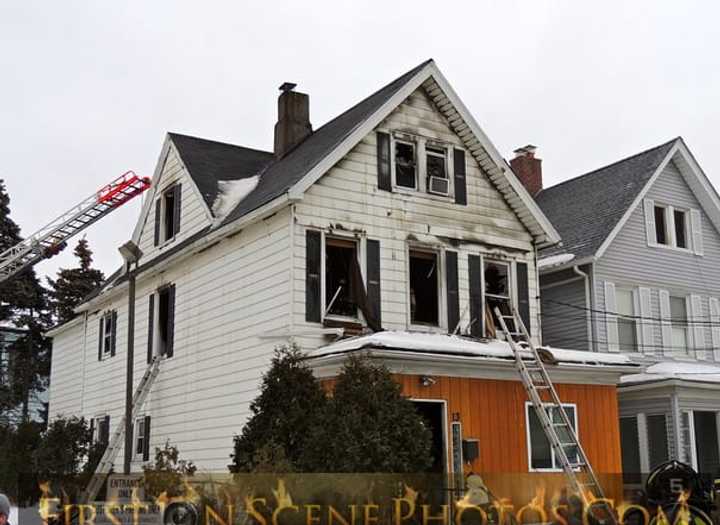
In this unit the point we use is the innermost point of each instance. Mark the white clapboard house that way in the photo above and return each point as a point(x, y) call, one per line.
point(391, 215)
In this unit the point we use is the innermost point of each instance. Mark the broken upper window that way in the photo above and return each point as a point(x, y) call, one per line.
point(166, 313)
point(405, 165)
point(169, 214)
point(497, 285)
point(340, 267)
point(424, 285)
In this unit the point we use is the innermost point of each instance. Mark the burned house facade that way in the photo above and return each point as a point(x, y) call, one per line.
point(391, 230)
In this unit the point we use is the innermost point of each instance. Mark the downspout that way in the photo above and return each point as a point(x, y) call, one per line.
point(129, 377)
point(588, 308)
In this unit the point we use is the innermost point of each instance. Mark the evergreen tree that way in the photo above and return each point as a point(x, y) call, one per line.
point(282, 416)
point(368, 426)
point(74, 284)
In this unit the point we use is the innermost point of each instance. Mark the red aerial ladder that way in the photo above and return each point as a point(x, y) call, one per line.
point(52, 239)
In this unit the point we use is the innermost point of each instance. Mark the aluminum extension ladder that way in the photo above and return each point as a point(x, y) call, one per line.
point(546, 402)
point(116, 441)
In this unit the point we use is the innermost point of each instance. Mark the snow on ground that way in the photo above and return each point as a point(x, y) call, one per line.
point(457, 345)
point(231, 192)
point(686, 371)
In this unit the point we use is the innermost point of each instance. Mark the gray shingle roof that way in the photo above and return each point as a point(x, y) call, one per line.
point(584, 210)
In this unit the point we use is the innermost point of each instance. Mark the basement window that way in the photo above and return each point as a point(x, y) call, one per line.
point(405, 165)
point(424, 288)
point(340, 265)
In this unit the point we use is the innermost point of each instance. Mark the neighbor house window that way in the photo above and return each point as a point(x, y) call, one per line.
point(101, 430)
point(626, 322)
point(542, 455)
point(657, 437)
point(678, 316)
point(680, 228)
point(341, 264)
point(106, 334)
point(405, 165)
point(424, 288)
point(661, 229)
point(142, 438)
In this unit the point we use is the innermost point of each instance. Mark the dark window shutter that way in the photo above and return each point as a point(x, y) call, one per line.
point(114, 333)
point(105, 438)
point(178, 207)
point(373, 279)
point(312, 276)
point(383, 161)
point(158, 207)
point(100, 337)
point(151, 321)
point(146, 442)
point(453, 300)
point(523, 287)
point(476, 309)
point(171, 322)
point(460, 182)
point(92, 428)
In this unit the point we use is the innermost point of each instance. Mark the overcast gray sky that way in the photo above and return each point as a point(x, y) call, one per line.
point(88, 89)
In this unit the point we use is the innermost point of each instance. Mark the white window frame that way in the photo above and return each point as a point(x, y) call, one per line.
point(138, 456)
point(669, 218)
point(442, 287)
point(107, 335)
point(528, 408)
point(360, 252)
point(420, 145)
point(163, 211)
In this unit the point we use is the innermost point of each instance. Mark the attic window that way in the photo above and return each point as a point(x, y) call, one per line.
point(680, 228)
point(436, 163)
point(405, 166)
point(660, 225)
point(340, 261)
point(424, 288)
point(169, 214)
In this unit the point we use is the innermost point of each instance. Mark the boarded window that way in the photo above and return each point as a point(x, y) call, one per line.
point(630, 448)
point(626, 322)
point(680, 228)
point(657, 440)
point(542, 456)
point(405, 165)
point(340, 256)
point(660, 225)
point(424, 284)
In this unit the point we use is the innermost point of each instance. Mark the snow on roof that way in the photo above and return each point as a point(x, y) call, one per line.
point(231, 192)
point(555, 260)
point(686, 371)
point(458, 345)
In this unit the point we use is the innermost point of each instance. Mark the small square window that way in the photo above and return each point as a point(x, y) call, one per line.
point(660, 225)
point(626, 321)
point(680, 228)
point(405, 165)
point(424, 288)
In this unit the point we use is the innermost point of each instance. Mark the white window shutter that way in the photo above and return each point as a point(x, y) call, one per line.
point(650, 222)
point(698, 329)
point(715, 330)
point(697, 234)
point(646, 324)
point(611, 318)
point(666, 325)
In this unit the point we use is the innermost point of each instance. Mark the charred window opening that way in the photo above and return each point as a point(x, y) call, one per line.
point(405, 166)
point(497, 285)
point(436, 164)
point(424, 284)
point(169, 214)
point(164, 320)
point(340, 266)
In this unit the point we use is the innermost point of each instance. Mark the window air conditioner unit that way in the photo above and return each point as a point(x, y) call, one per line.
point(439, 186)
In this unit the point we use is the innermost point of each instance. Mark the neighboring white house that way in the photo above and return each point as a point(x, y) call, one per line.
point(397, 213)
point(638, 273)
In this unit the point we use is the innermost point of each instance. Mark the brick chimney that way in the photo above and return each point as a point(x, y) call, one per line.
point(293, 123)
point(528, 168)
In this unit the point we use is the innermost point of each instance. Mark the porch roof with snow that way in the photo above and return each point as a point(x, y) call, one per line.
point(399, 343)
point(691, 372)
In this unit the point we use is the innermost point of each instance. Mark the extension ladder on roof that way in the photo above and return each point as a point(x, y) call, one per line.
point(116, 441)
point(52, 238)
point(548, 407)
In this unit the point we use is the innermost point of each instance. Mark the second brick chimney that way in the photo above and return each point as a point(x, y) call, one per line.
point(293, 123)
point(528, 168)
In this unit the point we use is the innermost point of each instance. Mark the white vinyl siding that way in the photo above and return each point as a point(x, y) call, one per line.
point(610, 317)
point(666, 324)
point(627, 323)
point(715, 329)
point(698, 326)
